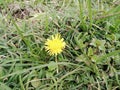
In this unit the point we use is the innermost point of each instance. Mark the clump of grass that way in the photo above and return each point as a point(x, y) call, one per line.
point(90, 60)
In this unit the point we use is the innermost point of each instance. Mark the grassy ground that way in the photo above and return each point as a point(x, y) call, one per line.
point(91, 30)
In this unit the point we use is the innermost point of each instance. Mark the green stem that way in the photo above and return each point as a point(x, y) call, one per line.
point(56, 62)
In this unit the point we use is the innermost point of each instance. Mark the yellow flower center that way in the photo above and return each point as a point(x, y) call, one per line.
point(55, 45)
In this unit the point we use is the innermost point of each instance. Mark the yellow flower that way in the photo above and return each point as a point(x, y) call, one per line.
point(55, 45)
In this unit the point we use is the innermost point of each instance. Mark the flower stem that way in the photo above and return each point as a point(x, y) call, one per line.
point(56, 62)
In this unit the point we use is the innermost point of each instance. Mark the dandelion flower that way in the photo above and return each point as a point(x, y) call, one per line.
point(55, 45)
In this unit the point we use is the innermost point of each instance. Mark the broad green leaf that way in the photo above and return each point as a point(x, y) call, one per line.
point(79, 43)
point(52, 66)
point(35, 82)
point(111, 37)
point(101, 47)
point(49, 74)
point(2, 72)
point(98, 43)
point(80, 58)
point(4, 87)
point(94, 58)
point(90, 51)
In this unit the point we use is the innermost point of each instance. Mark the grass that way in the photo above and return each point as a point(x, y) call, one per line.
point(91, 30)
